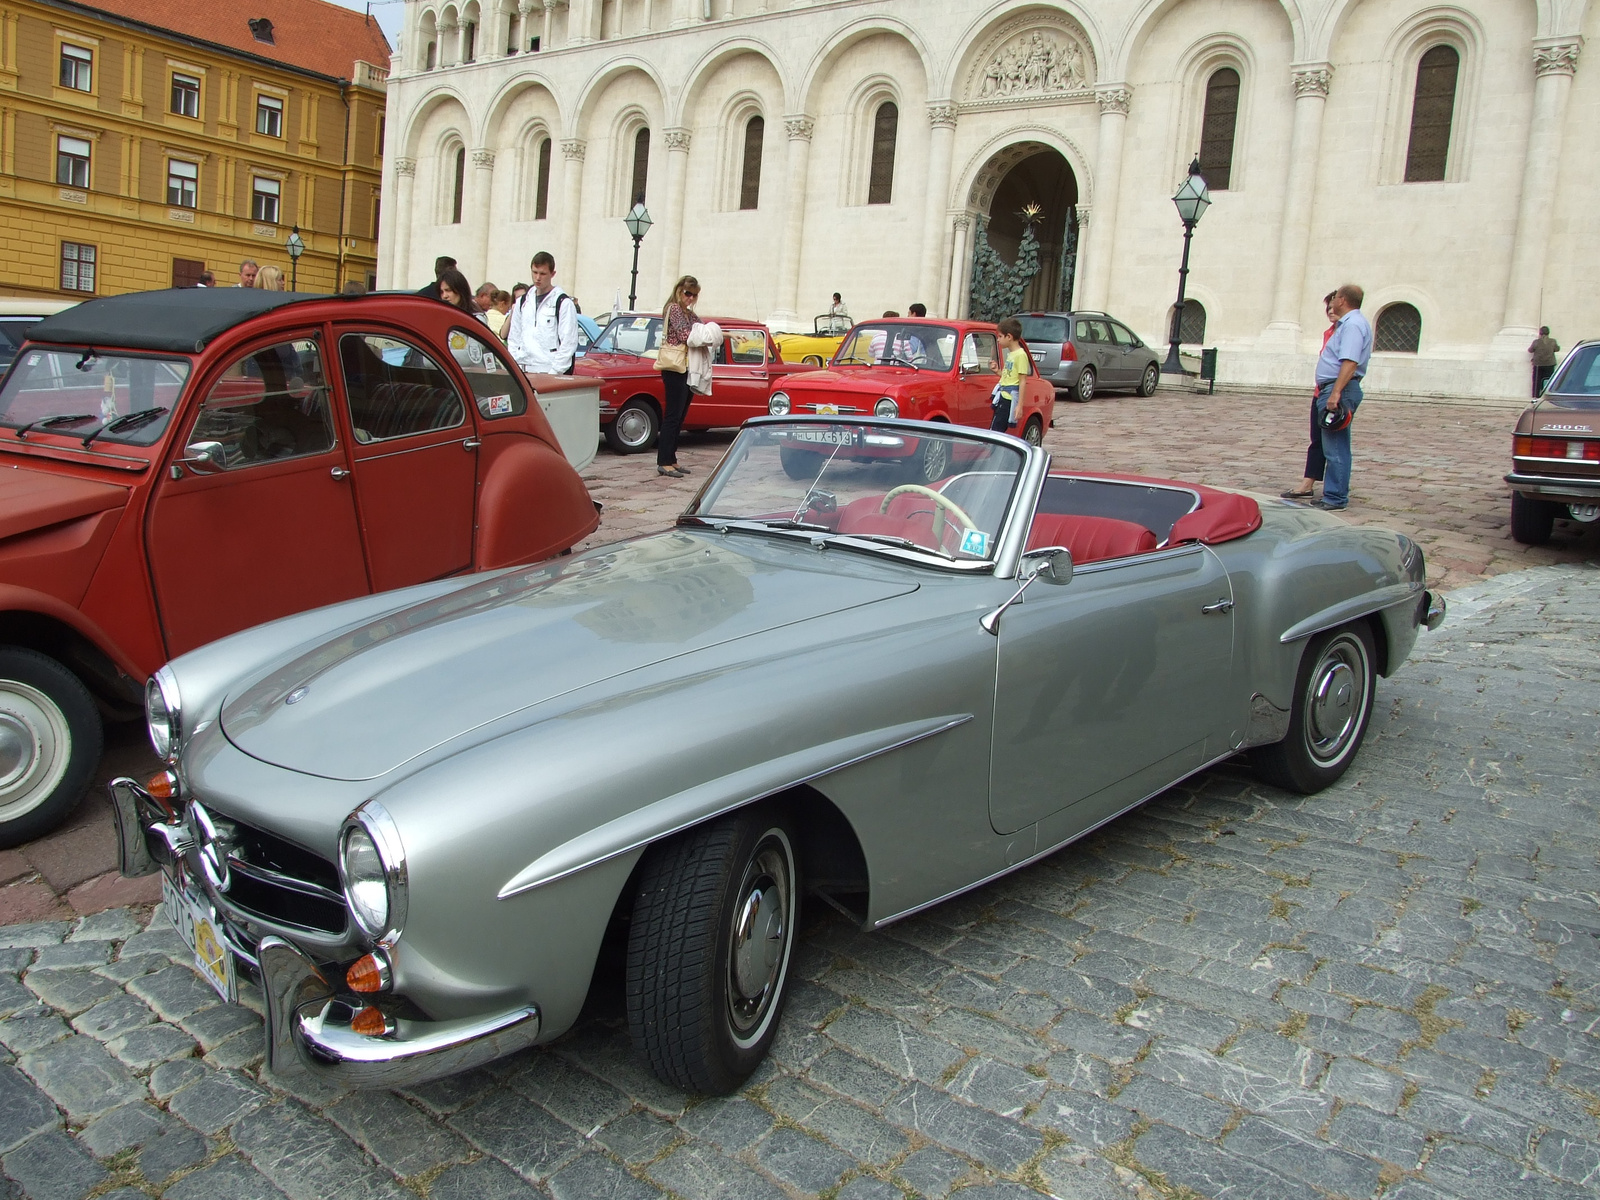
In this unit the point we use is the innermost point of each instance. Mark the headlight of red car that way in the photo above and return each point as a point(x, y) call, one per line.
point(778, 404)
point(886, 408)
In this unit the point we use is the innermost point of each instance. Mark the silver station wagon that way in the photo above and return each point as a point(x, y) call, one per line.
point(414, 817)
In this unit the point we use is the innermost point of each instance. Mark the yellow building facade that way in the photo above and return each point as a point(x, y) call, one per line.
point(135, 156)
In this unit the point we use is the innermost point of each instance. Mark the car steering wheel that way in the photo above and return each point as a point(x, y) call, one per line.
point(942, 504)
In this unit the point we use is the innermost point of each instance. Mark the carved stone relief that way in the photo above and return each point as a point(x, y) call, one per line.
point(1036, 61)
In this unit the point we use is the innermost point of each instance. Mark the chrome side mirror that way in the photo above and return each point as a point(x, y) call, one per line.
point(1054, 563)
point(210, 455)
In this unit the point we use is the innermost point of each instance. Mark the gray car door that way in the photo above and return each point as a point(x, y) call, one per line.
point(1105, 677)
point(1130, 354)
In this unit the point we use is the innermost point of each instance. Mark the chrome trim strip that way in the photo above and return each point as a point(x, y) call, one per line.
point(673, 814)
point(1025, 501)
point(1127, 560)
point(1061, 845)
point(1352, 609)
point(304, 887)
point(453, 441)
point(1572, 482)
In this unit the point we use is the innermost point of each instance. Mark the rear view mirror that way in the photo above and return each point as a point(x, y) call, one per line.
point(207, 455)
point(1054, 565)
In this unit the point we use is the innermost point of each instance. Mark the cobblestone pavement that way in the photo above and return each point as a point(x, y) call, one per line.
point(1430, 470)
point(1387, 990)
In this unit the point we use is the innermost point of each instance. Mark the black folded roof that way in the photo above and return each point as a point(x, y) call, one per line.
point(177, 319)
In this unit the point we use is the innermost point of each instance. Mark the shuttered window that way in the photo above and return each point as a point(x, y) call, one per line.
point(1432, 111)
point(1216, 133)
point(880, 182)
point(750, 178)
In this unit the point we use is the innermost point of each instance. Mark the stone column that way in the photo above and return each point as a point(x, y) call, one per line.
point(677, 143)
point(405, 178)
point(1555, 61)
point(799, 129)
point(1083, 241)
point(1114, 100)
point(960, 251)
point(478, 207)
point(572, 150)
point(549, 20)
point(941, 144)
point(1311, 82)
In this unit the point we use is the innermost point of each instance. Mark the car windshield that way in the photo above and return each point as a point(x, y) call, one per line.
point(829, 325)
point(1578, 385)
point(13, 332)
point(930, 347)
point(99, 397)
point(630, 335)
point(1044, 329)
point(880, 487)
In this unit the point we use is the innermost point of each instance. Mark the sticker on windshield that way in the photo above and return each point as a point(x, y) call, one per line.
point(641, 322)
point(975, 542)
point(33, 360)
point(458, 341)
point(498, 406)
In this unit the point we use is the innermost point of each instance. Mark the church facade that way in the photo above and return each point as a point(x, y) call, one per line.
point(1435, 154)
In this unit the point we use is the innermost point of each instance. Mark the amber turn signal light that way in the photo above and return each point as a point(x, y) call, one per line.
point(368, 974)
point(371, 1022)
point(162, 786)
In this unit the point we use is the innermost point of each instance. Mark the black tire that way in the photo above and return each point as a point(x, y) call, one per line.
point(633, 430)
point(1033, 432)
point(800, 464)
point(1333, 695)
point(1083, 390)
point(1149, 380)
point(50, 743)
point(931, 462)
point(709, 948)
point(1532, 520)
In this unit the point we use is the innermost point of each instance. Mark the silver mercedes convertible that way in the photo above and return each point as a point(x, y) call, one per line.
point(876, 661)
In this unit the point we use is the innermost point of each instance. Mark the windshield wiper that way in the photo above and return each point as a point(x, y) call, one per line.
point(126, 421)
point(889, 539)
point(58, 419)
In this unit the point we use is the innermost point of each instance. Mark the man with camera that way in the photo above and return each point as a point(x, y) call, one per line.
point(1340, 369)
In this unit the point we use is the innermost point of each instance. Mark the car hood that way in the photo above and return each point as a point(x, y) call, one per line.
point(31, 499)
point(862, 381)
point(395, 688)
point(603, 363)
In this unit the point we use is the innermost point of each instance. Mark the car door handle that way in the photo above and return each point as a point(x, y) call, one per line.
point(340, 472)
point(471, 444)
point(1219, 606)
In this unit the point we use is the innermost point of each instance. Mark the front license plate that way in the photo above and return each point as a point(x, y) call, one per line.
point(827, 410)
point(196, 924)
point(826, 437)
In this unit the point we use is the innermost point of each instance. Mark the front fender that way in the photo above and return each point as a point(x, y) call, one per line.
point(531, 504)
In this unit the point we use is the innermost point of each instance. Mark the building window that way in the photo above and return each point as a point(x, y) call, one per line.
point(1192, 325)
point(433, 56)
point(77, 267)
point(750, 179)
point(1398, 329)
point(261, 30)
point(185, 95)
point(469, 42)
point(77, 68)
point(541, 187)
point(1432, 110)
point(72, 162)
point(641, 166)
point(264, 195)
point(269, 116)
point(880, 180)
point(1216, 132)
point(458, 186)
point(183, 179)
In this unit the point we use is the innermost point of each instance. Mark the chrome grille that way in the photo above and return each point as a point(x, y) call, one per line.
point(278, 881)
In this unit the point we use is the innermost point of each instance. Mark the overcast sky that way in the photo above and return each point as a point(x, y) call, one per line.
point(388, 13)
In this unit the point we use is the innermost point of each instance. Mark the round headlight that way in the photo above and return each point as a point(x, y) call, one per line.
point(372, 865)
point(163, 713)
point(886, 408)
point(778, 404)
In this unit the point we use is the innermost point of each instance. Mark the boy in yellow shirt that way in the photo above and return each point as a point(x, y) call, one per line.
point(1013, 366)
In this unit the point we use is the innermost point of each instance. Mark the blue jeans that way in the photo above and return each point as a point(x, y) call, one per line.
point(1336, 444)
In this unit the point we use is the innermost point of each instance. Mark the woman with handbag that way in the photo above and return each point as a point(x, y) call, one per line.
point(673, 362)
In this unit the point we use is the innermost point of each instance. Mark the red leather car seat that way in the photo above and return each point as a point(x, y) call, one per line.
point(1090, 539)
point(910, 516)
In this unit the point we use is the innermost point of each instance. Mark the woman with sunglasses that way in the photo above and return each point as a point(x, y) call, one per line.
point(673, 363)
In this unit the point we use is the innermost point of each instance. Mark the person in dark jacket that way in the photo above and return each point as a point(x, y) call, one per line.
point(440, 265)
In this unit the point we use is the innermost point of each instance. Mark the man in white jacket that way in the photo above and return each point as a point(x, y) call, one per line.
point(542, 332)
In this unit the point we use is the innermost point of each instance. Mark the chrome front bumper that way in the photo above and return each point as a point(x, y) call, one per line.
point(1431, 611)
point(308, 1018)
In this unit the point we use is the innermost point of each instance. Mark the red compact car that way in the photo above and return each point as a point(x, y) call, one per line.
point(176, 466)
point(917, 368)
point(631, 394)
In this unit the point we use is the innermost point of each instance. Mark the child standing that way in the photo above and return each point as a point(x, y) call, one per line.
point(1013, 366)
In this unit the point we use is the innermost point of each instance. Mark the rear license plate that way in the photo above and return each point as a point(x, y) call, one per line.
point(826, 437)
point(197, 924)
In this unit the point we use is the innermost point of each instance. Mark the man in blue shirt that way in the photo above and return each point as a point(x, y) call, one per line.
point(1340, 369)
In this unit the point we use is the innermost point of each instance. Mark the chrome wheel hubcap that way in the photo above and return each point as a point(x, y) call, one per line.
point(633, 427)
point(1336, 700)
point(935, 459)
point(762, 929)
point(35, 748)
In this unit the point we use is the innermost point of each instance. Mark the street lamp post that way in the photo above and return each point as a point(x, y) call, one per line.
point(1192, 200)
point(296, 248)
point(638, 222)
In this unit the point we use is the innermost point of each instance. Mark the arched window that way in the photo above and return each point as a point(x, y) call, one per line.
point(459, 185)
point(880, 180)
point(1432, 110)
point(1216, 132)
point(433, 55)
point(1398, 329)
point(750, 178)
point(541, 187)
point(1192, 326)
point(641, 166)
point(469, 42)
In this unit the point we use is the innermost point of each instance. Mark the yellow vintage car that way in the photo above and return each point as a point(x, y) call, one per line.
point(815, 348)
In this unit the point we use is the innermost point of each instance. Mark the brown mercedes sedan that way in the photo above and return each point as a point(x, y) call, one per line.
point(1556, 451)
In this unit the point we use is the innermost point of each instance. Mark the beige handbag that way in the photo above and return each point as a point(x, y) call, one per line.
point(673, 358)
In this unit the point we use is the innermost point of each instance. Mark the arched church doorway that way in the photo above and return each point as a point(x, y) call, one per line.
point(1025, 246)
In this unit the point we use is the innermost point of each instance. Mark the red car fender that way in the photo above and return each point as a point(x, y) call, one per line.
point(519, 477)
point(16, 599)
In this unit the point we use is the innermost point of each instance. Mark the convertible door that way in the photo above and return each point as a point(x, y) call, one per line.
point(1100, 679)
